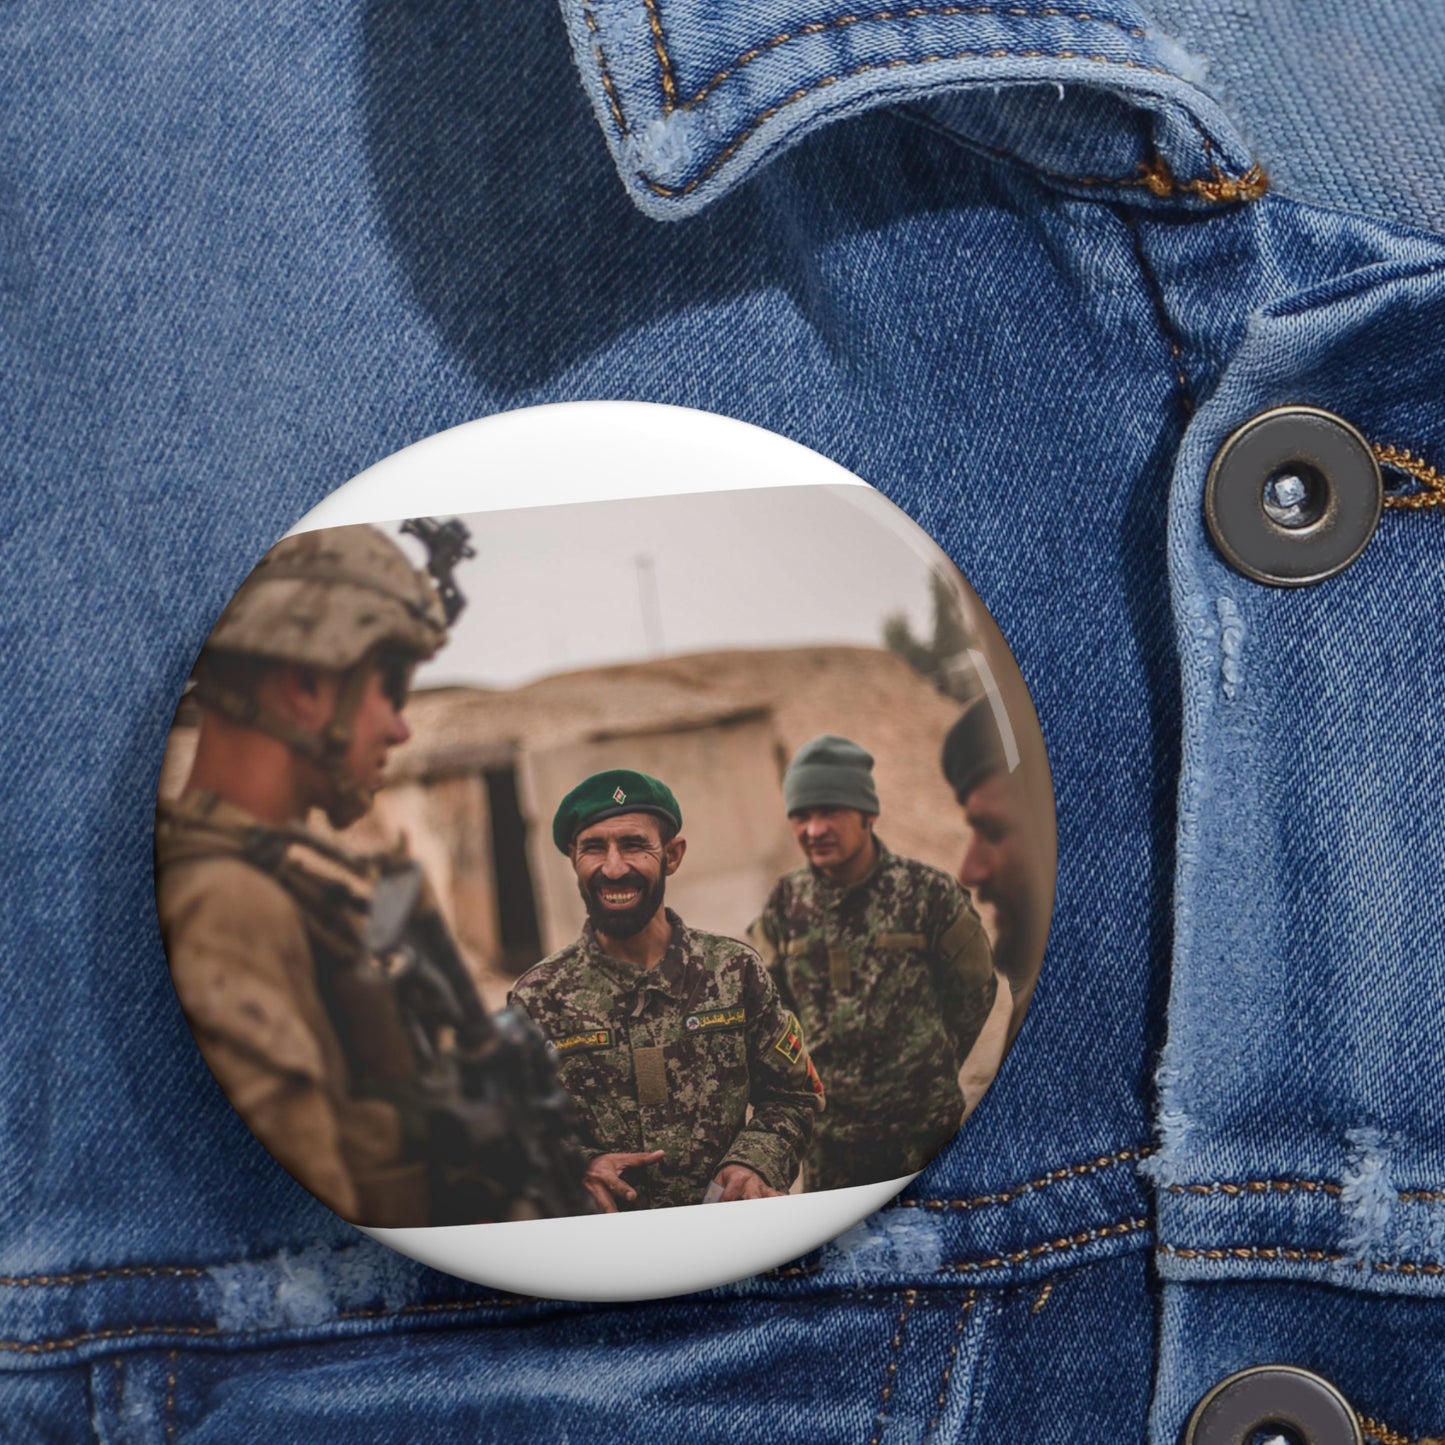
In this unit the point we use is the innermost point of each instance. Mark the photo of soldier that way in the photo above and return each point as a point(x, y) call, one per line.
point(322, 987)
point(444, 981)
point(693, 1080)
point(886, 964)
point(1004, 864)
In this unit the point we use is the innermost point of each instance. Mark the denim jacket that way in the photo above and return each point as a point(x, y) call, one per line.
point(1022, 268)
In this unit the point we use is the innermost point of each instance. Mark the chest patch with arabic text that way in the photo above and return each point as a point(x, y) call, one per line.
point(715, 1018)
point(591, 1039)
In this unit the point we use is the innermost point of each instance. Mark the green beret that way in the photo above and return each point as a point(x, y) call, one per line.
point(608, 795)
point(973, 749)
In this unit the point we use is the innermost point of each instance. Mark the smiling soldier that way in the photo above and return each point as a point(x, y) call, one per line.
point(886, 964)
point(665, 1036)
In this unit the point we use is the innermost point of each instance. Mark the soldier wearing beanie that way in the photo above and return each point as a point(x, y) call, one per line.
point(886, 965)
point(665, 1036)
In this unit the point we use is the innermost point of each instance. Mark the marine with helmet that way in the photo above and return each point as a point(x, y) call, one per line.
point(322, 988)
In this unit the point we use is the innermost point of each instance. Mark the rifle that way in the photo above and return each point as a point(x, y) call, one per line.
point(484, 1106)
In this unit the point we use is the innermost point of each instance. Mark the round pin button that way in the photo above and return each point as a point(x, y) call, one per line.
point(1291, 1403)
point(595, 889)
point(1293, 496)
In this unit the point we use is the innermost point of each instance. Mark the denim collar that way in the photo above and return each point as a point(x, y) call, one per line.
point(696, 95)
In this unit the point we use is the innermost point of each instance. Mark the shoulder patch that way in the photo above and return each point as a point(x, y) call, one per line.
point(790, 1042)
point(709, 1020)
point(580, 1043)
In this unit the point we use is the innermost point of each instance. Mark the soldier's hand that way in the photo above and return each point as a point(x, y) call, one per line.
point(740, 1182)
point(604, 1182)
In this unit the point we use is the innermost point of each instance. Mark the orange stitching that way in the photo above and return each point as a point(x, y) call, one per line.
point(1007, 1196)
point(913, 12)
point(1253, 1251)
point(1252, 184)
point(1055, 1246)
point(1431, 480)
point(1387, 1436)
point(968, 1303)
point(171, 1398)
point(125, 1271)
point(1235, 1190)
point(1043, 1298)
point(1219, 189)
point(1297, 1255)
point(910, 1298)
point(42, 1347)
point(1258, 1186)
point(612, 100)
point(659, 45)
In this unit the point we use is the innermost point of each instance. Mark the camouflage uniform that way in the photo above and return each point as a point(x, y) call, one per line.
point(246, 913)
point(673, 1057)
point(328, 1001)
point(892, 980)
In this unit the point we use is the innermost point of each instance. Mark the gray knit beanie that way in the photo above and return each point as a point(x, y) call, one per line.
point(830, 772)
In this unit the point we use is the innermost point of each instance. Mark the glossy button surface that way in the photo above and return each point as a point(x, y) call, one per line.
point(1293, 496)
point(1301, 1406)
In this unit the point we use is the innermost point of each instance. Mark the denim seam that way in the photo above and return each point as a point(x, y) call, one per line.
point(1008, 1196)
point(1043, 1298)
point(913, 12)
point(970, 1299)
point(890, 1376)
point(127, 1271)
point(1235, 1189)
point(613, 100)
point(1153, 175)
point(1218, 189)
point(170, 1404)
point(1161, 312)
point(664, 59)
point(1296, 1255)
point(41, 1347)
point(1157, 177)
point(1432, 481)
point(1053, 1246)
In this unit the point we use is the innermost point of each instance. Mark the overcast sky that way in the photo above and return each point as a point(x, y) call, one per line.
point(556, 588)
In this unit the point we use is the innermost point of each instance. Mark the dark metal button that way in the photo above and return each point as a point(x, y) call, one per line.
point(1293, 496)
point(1273, 1399)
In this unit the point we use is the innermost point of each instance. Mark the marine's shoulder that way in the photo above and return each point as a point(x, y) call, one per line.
point(224, 894)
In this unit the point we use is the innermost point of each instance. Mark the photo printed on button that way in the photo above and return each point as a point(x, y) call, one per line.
point(600, 882)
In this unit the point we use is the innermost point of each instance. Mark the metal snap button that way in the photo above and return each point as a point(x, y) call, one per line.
point(1273, 1400)
point(1293, 496)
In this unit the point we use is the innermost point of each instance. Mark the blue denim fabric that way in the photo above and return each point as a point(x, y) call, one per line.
point(247, 253)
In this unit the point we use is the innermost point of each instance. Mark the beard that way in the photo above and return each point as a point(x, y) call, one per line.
point(627, 922)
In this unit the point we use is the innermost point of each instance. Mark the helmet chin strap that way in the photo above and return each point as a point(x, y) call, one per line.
point(349, 800)
point(327, 748)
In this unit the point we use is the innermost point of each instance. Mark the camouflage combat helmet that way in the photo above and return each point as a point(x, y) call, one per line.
point(338, 599)
point(328, 599)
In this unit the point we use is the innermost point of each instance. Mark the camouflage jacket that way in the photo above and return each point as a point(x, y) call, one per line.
point(673, 1057)
point(242, 945)
point(892, 980)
